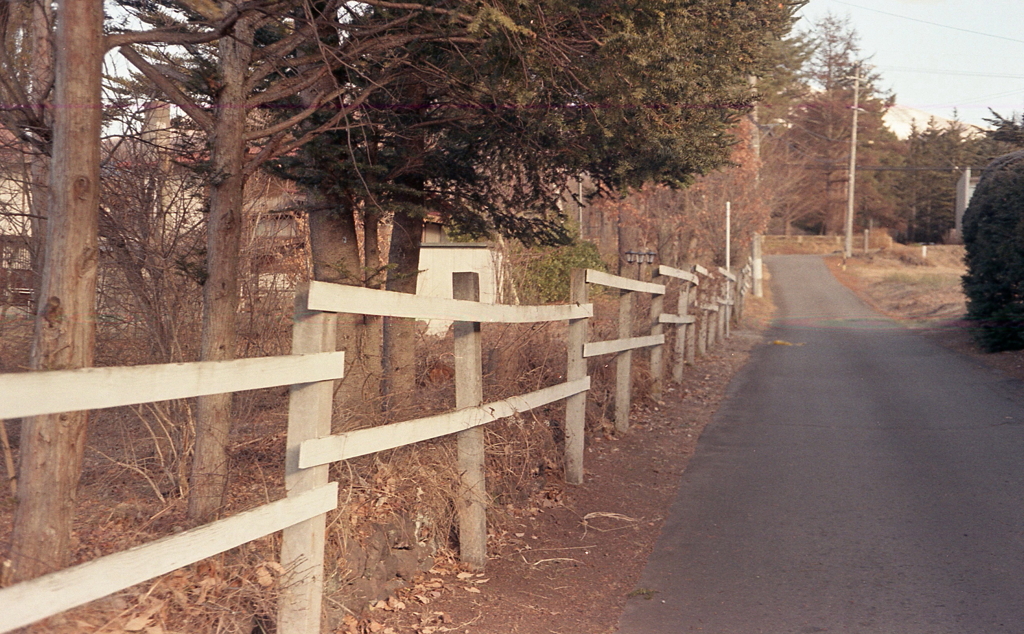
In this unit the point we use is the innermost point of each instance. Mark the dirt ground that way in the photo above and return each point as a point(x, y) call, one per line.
point(573, 556)
point(564, 562)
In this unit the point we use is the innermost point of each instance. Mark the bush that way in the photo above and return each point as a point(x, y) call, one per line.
point(547, 278)
point(994, 240)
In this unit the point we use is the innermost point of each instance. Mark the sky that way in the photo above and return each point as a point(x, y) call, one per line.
point(940, 56)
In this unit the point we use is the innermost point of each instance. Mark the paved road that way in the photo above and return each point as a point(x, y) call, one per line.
point(862, 481)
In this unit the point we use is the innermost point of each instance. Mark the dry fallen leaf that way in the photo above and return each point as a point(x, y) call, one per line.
point(375, 626)
point(275, 566)
point(474, 590)
point(263, 577)
point(350, 623)
point(137, 624)
point(395, 604)
point(464, 575)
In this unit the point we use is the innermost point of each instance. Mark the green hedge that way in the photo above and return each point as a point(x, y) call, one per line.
point(547, 278)
point(993, 232)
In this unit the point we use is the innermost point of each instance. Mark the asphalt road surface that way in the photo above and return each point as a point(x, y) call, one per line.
point(860, 480)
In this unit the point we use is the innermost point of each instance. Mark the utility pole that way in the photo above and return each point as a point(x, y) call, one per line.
point(848, 246)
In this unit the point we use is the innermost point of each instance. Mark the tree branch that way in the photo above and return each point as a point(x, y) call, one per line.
point(412, 6)
point(275, 147)
point(173, 35)
point(180, 99)
point(286, 87)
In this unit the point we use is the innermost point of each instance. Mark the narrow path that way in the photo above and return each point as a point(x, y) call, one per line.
point(862, 480)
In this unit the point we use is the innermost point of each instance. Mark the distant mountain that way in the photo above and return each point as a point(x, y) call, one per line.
point(902, 119)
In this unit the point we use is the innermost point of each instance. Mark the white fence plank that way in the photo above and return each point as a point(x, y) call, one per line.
point(668, 318)
point(700, 270)
point(678, 273)
point(338, 298)
point(34, 393)
point(599, 348)
point(37, 599)
point(727, 274)
point(364, 441)
point(624, 283)
point(712, 307)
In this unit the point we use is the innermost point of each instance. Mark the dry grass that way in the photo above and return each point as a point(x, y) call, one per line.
point(903, 284)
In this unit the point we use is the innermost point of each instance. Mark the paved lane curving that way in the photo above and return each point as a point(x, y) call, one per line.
point(862, 480)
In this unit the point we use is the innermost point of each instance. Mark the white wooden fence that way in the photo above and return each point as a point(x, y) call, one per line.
point(311, 370)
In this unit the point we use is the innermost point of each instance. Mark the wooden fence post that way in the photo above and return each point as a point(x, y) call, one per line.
point(624, 363)
point(702, 332)
point(684, 337)
point(657, 352)
point(309, 416)
point(712, 332)
point(576, 405)
point(730, 298)
point(691, 329)
point(758, 265)
point(472, 496)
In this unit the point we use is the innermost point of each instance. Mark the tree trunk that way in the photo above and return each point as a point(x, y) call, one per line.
point(372, 324)
point(65, 326)
point(335, 251)
point(41, 71)
point(400, 334)
point(209, 476)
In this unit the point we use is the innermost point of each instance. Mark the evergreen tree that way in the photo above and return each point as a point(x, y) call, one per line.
point(816, 136)
point(925, 190)
point(994, 240)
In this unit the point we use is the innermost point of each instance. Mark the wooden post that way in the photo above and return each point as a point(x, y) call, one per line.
point(576, 405)
point(691, 342)
point(723, 319)
point(730, 298)
point(758, 265)
point(657, 352)
point(683, 340)
point(691, 329)
point(624, 363)
point(472, 496)
point(741, 292)
point(309, 416)
point(702, 332)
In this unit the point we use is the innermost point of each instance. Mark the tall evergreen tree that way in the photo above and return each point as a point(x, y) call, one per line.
point(817, 134)
point(484, 128)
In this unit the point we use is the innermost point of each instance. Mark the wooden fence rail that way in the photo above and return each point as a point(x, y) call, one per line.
point(34, 393)
point(311, 370)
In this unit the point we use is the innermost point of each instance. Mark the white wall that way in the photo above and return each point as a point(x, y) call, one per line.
point(437, 263)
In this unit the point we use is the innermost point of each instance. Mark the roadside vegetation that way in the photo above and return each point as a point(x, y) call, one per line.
point(919, 286)
point(252, 146)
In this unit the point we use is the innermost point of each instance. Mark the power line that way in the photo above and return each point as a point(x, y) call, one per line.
point(948, 72)
point(944, 26)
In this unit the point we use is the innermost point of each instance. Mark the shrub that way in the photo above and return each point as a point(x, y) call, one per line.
point(994, 240)
point(547, 278)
